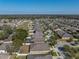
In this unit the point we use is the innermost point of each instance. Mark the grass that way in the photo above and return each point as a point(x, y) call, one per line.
point(22, 57)
point(12, 56)
point(53, 53)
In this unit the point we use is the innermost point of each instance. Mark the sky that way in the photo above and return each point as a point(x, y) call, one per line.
point(39, 6)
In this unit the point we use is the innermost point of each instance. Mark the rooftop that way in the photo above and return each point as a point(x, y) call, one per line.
point(4, 46)
point(62, 33)
point(39, 47)
point(4, 56)
point(39, 57)
point(25, 49)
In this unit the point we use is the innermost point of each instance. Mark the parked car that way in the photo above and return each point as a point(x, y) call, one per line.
point(61, 48)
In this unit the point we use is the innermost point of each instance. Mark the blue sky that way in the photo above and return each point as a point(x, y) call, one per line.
point(39, 6)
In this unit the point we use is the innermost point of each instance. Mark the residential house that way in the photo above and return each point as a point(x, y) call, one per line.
point(63, 35)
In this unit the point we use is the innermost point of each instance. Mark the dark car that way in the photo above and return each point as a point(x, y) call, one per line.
point(61, 48)
point(34, 31)
point(73, 44)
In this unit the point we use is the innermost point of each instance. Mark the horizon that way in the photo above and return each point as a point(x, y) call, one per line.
point(39, 7)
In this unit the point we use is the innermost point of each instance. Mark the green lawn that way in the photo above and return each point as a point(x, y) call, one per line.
point(53, 53)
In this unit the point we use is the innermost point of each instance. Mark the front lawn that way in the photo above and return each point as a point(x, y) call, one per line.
point(53, 53)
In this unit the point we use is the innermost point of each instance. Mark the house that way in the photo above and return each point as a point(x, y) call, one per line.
point(63, 35)
point(67, 36)
point(47, 56)
point(3, 47)
point(4, 56)
point(24, 50)
point(39, 48)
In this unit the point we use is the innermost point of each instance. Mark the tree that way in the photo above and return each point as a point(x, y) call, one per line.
point(20, 34)
point(17, 43)
point(77, 56)
point(5, 32)
point(52, 41)
point(66, 48)
point(3, 35)
point(18, 38)
point(8, 29)
point(70, 40)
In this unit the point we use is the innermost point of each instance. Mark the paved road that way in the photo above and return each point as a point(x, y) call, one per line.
point(38, 36)
point(39, 44)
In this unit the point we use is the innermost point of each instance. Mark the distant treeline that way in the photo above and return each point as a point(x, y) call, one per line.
point(38, 16)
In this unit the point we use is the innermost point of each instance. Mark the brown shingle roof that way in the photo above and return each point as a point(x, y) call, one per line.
point(25, 49)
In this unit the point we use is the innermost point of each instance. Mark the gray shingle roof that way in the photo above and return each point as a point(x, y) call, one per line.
point(4, 56)
point(39, 57)
point(3, 46)
point(39, 47)
point(62, 33)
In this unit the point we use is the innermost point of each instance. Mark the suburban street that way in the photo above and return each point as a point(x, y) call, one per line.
point(38, 36)
point(39, 49)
